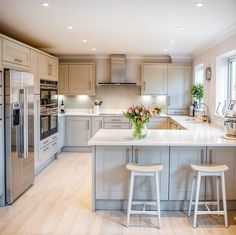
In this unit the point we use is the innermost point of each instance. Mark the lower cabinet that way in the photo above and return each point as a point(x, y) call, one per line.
point(97, 123)
point(181, 174)
point(61, 132)
point(1, 160)
point(112, 178)
point(144, 187)
point(222, 155)
point(78, 131)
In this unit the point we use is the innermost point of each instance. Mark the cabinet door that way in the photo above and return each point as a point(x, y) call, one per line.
point(181, 174)
point(116, 125)
point(82, 79)
point(34, 70)
point(154, 79)
point(145, 188)
point(15, 53)
point(78, 131)
point(62, 132)
point(222, 155)
point(179, 82)
point(63, 78)
point(52, 69)
point(112, 178)
point(97, 124)
point(1, 159)
point(158, 123)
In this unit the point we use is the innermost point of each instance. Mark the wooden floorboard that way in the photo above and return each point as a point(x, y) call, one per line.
point(60, 203)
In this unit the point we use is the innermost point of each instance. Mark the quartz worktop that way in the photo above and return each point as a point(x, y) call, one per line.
point(196, 133)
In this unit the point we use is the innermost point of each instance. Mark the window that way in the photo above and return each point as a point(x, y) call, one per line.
point(199, 74)
point(232, 79)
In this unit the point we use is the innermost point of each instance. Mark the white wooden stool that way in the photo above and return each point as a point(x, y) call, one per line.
point(144, 170)
point(217, 171)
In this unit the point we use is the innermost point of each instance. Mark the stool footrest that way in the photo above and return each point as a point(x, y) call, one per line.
point(210, 212)
point(149, 203)
point(136, 212)
point(208, 203)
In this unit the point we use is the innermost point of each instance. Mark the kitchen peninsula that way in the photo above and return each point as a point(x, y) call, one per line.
point(197, 142)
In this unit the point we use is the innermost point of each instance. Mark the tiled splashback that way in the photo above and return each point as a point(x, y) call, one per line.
point(114, 97)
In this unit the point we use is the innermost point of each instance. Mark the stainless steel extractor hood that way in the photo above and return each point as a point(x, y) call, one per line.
point(118, 71)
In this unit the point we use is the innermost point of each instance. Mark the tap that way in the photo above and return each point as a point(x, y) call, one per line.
point(207, 112)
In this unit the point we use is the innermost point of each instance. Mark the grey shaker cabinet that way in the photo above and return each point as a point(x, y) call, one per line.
point(112, 178)
point(181, 174)
point(222, 155)
point(78, 131)
point(144, 187)
point(97, 123)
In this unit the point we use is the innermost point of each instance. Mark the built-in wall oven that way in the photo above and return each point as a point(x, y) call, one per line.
point(48, 108)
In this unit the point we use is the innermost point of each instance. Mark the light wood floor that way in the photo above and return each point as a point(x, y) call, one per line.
point(60, 203)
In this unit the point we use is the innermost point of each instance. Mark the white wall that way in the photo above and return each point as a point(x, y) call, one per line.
point(208, 58)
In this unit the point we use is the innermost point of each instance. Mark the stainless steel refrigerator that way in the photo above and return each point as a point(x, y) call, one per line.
point(19, 133)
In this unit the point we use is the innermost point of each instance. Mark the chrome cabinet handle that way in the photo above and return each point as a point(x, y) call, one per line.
point(127, 155)
point(18, 60)
point(54, 143)
point(136, 156)
point(144, 86)
point(210, 155)
point(116, 126)
point(90, 85)
point(115, 120)
point(44, 150)
point(54, 137)
point(45, 142)
point(202, 157)
point(168, 100)
point(88, 126)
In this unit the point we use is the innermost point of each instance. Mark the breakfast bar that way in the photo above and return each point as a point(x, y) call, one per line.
point(197, 143)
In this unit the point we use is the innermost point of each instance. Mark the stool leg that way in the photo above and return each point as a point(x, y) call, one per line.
point(197, 199)
point(224, 198)
point(130, 197)
point(158, 199)
point(191, 197)
point(218, 193)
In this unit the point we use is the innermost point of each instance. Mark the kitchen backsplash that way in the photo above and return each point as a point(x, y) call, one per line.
point(113, 97)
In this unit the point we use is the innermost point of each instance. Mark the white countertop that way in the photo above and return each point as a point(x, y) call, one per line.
point(196, 134)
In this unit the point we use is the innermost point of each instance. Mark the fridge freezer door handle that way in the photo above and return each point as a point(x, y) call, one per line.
point(26, 113)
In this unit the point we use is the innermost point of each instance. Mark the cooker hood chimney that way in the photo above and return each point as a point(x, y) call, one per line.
point(118, 71)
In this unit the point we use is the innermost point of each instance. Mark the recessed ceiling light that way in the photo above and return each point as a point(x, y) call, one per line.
point(199, 4)
point(180, 28)
point(172, 41)
point(94, 49)
point(85, 41)
point(165, 50)
point(69, 27)
point(45, 4)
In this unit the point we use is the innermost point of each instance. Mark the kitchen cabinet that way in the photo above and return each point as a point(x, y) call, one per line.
point(34, 69)
point(82, 79)
point(78, 131)
point(179, 83)
point(116, 122)
point(144, 186)
point(47, 67)
point(97, 123)
point(222, 155)
point(181, 174)
point(15, 53)
point(158, 123)
point(61, 132)
point(0, 53)
point(63, 87)
point(154, 79)
point(112, 178)
point(1, 161)
point(36, 132)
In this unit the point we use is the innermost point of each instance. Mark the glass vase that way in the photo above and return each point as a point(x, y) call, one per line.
point(139, 131)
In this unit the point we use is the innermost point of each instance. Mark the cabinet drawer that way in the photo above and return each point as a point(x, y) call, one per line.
point(48, 151)
point(118, 125)
point(116, 119)
point(15, 53)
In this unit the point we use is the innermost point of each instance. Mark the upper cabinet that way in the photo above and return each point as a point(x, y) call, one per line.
point(34, 69)
point(154, 79)
point(0, 52)
point(15, 53)
point(48, 68)
point(63, 79)
point(77, 78)
point(179, 82)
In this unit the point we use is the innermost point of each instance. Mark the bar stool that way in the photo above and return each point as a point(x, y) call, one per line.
point(144, 170)
point(216, 170)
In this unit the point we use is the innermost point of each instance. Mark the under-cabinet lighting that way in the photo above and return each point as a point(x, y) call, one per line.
point(82, 97)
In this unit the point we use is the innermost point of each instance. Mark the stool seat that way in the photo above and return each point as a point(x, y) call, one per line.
point(209, 167)
point(144, 168)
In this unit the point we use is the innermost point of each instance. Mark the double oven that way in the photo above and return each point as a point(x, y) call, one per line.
point(48, 108)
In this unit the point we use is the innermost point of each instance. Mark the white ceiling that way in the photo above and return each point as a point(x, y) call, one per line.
point(135, 27)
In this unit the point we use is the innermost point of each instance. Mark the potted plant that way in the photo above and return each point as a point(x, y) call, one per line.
point(139, 116)
point(197, 91)
point(97, 104)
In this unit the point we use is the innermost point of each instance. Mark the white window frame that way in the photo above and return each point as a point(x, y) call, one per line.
point(229, 78)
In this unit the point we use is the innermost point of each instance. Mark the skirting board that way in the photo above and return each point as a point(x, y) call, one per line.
point(77, 149)
point(165, 205)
